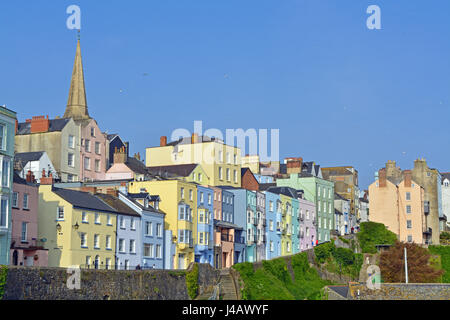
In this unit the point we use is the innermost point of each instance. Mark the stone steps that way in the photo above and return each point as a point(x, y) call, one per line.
point(227, 289)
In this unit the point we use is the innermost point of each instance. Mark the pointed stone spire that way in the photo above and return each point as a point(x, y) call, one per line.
point(76, 104)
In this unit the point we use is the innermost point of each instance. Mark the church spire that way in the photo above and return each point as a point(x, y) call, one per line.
point(76, 104)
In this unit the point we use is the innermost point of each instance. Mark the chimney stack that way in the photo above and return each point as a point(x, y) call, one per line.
point(163, 141)
point(382, 178)
point(40, 124)
point(29, 176)
point(112, 192)
point(294, 165)
point(120, 155)
point(407, 177)
point(194, 138)
point(46, 180)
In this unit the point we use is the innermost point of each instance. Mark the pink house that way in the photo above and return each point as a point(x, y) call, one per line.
point(26, 248)
point(93, 151)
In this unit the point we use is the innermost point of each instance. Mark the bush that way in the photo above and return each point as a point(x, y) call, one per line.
point(324, 251)
point(344, 256)
point(373, 233)
point(3, 274)
point(192, 282)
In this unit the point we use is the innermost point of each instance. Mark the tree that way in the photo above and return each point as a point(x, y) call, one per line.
point(392, 264)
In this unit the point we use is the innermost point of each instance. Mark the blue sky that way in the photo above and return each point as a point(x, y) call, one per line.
point(340, 94)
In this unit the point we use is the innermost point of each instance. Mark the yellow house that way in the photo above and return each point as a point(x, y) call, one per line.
point(221, 162)
point(77, 228)
point(179, 202)
point(286, 225)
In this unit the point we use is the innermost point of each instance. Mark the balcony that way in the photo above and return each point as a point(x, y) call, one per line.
point(240, 240)
point(428, 231)
point(226, 237)
point(426, 207)
point(29, 243)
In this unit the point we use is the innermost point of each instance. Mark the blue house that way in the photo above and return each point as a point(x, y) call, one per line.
point(128, 233)
point(204, 249)
point(273, 229)
point(245, 218)
point(154, 241)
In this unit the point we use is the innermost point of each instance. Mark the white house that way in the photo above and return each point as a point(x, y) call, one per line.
point(34, 162)
point(445, 193)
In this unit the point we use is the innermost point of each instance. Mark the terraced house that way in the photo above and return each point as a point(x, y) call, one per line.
point(157, 247)
point(76, 227)
point(220, 162)
point(179, 203)
point(308, 177)
point(204, 249)
point(7, 133)
point(128, 253)
point(273, 225)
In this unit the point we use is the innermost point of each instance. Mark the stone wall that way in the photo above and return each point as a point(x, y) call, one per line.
point(208, 277)
point(51, 284)
point(400, 291)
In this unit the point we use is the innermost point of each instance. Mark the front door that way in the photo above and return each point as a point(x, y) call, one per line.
point(181, 261)
point(29, 261)
point(15, 258)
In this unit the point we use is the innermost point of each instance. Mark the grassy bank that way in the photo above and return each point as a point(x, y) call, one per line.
point(275, 281)
point(444, 253)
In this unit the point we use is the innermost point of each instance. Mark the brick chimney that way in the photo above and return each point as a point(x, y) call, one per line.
point(194, 138)
point(294, 165)
point(120, 155)
point(46, 180)
point(163, 141)
point(40, 124)
point(382, 178)
point(17, 125)
point(112, 192)
point(407, 174)
point(29, 176)
point(91, 190)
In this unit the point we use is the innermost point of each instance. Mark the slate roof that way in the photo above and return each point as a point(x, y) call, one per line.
point(180, 170)
point(82, 199)
point(19, 180)
point(188, 140)
point(287, 191)
point(265, 186)
point(54, 125)
point(445, 175)
point(141, 195)
point(136, 166)
point(337, 196)
point(26, 157)
point(336, 211)
point(118, 205)
point(134, 196)
point(340, 290)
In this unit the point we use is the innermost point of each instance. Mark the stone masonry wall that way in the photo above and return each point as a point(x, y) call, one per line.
point(51, 284)
point(401, 291)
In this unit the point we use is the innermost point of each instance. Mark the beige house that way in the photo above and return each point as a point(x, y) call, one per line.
point(398, 203)
point(59, 138)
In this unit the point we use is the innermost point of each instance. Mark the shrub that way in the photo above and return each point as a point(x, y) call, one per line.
point(343, 256)
point(373, 233)
point(324, 251)
point(3, 274)
point(192, 282)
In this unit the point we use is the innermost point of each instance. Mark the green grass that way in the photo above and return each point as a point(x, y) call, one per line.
point(444, 253)
point(273, 281)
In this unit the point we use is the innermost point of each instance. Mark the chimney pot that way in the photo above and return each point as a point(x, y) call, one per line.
point(163, 141)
